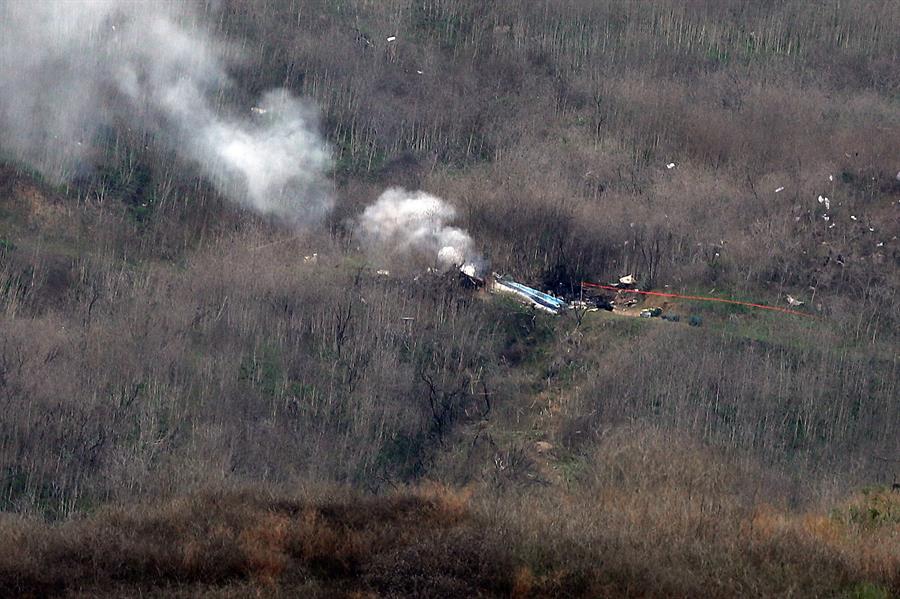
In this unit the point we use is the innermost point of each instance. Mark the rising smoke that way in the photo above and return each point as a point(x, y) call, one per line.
point(404, 222)
point(69, 70)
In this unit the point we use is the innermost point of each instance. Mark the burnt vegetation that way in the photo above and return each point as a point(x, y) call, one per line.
point(163, 351)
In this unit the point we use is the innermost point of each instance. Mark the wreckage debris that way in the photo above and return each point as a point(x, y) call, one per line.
point(528, 295)
point(794, 301)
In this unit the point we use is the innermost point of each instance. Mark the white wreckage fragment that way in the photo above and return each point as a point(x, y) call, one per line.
point(794, 301)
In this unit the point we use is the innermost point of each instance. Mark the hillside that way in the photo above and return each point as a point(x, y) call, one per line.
point(235, 359)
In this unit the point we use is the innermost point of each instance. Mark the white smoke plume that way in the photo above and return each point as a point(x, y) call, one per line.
point(70, 69)
point(402, 222)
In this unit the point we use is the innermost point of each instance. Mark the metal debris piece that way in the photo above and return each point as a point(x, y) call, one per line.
point(793, 301)
point(533, 297)
point(780, 189)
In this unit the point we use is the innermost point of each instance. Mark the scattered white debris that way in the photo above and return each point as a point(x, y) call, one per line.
point(827, 204)
point(258, 110)
point(793, 301)
point(391, 38)
point(780, 189)
point(871, 229)
point(383, 273)
point(670, 166)
point(821, 199)
point(826, 217)
point(420, 72)
point(898, 175)
point(627, 280)
point(879, 244)
point(852, 217)
point(831, 177)
point(311, 259)
point(831, 226)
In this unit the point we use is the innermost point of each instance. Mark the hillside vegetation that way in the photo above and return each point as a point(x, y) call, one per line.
point(193, 404)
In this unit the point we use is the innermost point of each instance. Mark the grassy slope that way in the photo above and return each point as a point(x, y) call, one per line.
point(547, 494)
point(635, 511)
point(676, 530)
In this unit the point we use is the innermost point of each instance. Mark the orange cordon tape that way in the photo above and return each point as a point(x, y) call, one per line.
point(698, 298)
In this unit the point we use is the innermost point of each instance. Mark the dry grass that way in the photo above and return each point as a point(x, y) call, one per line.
point(649, 515)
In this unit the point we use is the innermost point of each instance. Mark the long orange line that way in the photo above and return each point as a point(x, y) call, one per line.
point(699, 298)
